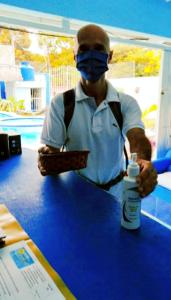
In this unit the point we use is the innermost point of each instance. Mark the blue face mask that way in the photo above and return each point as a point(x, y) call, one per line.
point(92, 64)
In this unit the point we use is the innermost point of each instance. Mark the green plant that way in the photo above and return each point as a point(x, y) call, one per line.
point(6, 105)
point(16, 104)
point(147, 111)
point(148, 119)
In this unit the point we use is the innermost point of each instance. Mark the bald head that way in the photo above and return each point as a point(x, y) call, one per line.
point(92, 54)
point(92, 37)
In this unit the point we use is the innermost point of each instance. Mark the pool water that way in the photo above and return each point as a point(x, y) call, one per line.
point(28, 127)
point(22, 122)
point(4, 115)
point(29, 139)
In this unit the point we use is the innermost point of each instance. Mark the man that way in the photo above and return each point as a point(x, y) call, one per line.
point(93, 125)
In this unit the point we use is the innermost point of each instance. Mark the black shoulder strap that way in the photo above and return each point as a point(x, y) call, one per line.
point(116, 110)
point(69, 104)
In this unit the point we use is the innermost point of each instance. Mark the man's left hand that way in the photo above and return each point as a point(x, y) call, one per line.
point(147, 178)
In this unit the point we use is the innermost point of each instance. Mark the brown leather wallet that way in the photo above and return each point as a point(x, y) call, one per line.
point(59, 162)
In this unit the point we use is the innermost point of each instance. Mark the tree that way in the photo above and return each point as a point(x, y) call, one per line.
point(20, 39)
point(58, 51)
point(147, 61)
point(5, 36)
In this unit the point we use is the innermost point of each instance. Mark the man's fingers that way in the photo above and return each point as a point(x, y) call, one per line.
point(42, 160)
point(41, 169)
point(48, 149)
point(44, 150)
point(147, 178)
point(147, 181)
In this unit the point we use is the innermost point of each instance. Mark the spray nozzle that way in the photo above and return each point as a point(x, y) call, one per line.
point(133, 167)
point(134, 157)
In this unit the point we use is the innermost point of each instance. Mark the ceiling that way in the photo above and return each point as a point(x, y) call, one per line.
point(33, 21)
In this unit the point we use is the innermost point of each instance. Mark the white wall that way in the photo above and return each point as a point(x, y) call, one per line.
point(164, 118)
point(22, 90)
point(144, 89)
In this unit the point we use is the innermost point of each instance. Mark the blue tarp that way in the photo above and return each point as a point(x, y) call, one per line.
point(147, 16)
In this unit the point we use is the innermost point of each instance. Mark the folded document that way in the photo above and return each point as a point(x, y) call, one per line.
point(24, 271)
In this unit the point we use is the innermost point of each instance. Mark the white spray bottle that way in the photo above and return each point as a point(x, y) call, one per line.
point(131, 202)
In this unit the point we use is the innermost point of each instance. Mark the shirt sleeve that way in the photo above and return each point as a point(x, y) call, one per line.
point(54, 131)
point(131, 113)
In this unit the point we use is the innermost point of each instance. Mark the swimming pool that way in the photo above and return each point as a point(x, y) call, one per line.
point(4, 115)
point(28, 127)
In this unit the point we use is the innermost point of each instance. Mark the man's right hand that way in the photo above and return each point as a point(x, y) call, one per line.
point(41, 162)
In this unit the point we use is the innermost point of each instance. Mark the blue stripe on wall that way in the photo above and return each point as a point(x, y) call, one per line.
point(149, 16)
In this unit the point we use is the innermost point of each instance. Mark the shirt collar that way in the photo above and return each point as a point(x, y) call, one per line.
point(79, 93)
point(112, 94)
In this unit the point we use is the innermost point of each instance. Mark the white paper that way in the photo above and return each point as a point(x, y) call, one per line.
point(164, 180)
point(22, 277)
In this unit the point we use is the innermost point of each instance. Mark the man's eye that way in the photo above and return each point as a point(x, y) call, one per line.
point(83, 48)
point(100, 48)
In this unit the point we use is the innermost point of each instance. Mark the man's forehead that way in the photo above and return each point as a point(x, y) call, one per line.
point(92, 33)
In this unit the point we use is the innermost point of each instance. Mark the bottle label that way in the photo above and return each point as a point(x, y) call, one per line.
point(131, 206)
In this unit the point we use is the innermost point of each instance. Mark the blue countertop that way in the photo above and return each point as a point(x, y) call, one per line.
point(77, 227)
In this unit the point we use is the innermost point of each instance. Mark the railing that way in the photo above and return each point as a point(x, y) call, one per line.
point(63, 78)
point(66, 77)
point(36, 99)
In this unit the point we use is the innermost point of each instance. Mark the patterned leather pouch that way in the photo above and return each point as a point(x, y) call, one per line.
point(64, 161)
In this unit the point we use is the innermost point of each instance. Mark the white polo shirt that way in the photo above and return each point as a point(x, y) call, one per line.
point(95, 129)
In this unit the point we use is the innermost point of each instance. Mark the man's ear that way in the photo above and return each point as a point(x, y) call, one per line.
point(110, 56)
point(74, 55)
